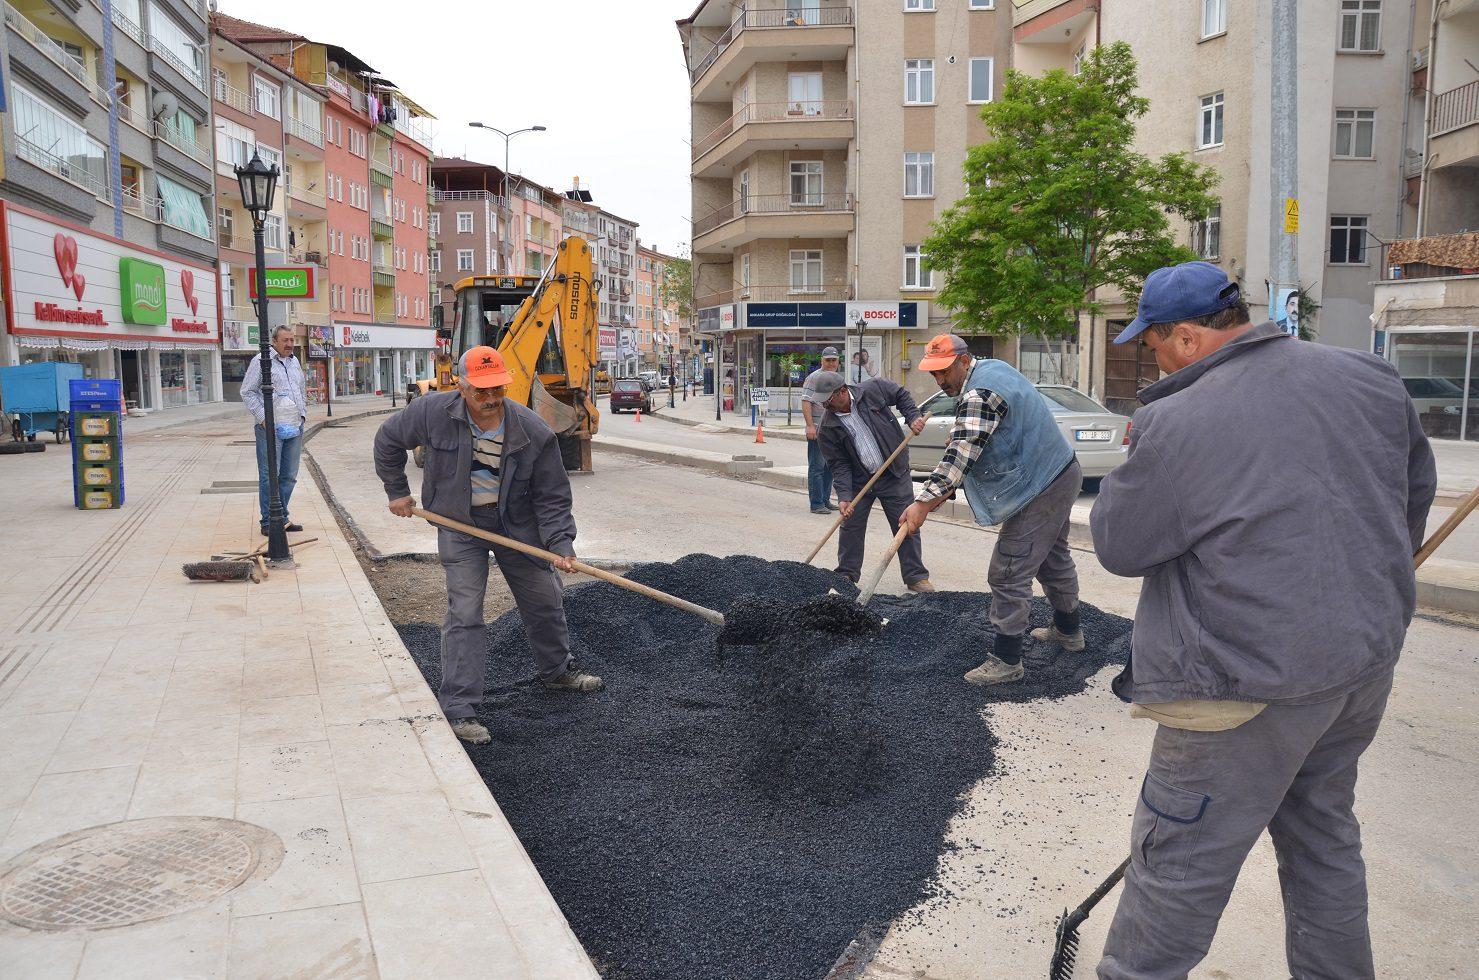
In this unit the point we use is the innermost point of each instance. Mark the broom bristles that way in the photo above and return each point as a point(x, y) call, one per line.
point(219, 571)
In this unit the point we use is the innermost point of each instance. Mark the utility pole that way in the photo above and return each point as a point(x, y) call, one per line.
point(1283, 252)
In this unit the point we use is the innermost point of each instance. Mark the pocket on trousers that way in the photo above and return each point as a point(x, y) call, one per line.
point(1168, 826)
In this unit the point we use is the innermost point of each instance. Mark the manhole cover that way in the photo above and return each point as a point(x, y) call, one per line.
point(135, 871)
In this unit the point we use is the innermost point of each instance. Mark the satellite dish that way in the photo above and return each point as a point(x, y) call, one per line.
point(333, 66)
point(165, 105)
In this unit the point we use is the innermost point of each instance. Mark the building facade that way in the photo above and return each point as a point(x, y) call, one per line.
point(664, 339)
point(111, 268)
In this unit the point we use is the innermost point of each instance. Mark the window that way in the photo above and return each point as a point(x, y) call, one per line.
point(177, 46)
point(744, 278)
point(1360, 25)
point(806, 270)
point(1348, 239)
point(1214, 17)
point(267, 96)
point(744, 192)
point(434, 222)
point(434, 260)
point(234, 143)
point(464, 260)
point(806, 183)
point(226, 225)
point(1355, 131)
point(184, 208)
point(916, 5)
point(272, 231)
point(919, 174)
point(917, 273)
point(1206, 235)
point(272, 158)
point(983, 5)
point(1078, 59)
point(464, 222)
point(980, 81)
point(1209, 129)
point(919, 81)
point(804, 94)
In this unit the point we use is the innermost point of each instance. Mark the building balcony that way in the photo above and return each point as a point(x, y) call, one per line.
point(304, 203)
point(783, 293)
point(769, 34)
point(380, 227)
point(774, 216)
point(228, 95)
point(77, 84)
point(1431, 257)
point(309, 318)
point(1454, 138)
point(384, 277)
point(190, 73)
point(810, 125)
point(182, 142)
point(297, 129)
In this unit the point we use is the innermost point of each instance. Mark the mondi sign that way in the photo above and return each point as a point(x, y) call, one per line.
point(141, 285)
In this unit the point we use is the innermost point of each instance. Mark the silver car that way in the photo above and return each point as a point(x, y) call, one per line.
point(1098, 436)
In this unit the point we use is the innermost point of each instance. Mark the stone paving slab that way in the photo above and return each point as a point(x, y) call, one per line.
point(128, 692)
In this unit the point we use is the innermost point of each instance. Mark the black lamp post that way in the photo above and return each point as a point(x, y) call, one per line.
point(258, 182)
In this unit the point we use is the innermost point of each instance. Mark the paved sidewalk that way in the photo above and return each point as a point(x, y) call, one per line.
point(129, 693)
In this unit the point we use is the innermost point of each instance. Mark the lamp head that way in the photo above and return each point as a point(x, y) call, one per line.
point(258, 182)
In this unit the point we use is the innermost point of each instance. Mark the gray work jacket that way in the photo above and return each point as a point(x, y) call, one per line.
point(1272, 500)
point(534, 497)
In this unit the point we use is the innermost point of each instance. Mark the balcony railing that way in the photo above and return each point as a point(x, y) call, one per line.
point(310, 318)
point(191, 72)
point(148, 208)
point(784, 17)
point(772, 204)
point(381, 165)
point(783, 293)
point(498, 201)
point(805, 111)
point(22, 25)
point(303, 131)
point(316, 198)
point(80, 174)
point(180, 141)
point(240, 314)
point(1455, 109)
point(1431, 257)
point(127, 26)
point(228, 94)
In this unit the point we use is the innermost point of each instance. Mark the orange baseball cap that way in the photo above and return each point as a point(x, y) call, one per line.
point(941, 350)
point(483, 367)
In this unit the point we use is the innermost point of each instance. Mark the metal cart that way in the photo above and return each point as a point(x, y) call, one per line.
point(36, 398)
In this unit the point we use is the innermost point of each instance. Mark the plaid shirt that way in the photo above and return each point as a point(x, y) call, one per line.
point(978, 413)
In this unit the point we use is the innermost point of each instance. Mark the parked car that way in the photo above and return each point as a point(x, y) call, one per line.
point(1435, 394)
point(629, 395)
point(1099, 437)
point(651, 379)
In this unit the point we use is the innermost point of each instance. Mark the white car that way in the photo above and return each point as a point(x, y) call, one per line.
point(1099, 437)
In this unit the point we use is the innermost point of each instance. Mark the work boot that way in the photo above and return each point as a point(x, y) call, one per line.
point(290, 526)
point(995, 671)
point(923, 585)
point(574, 679)
point(833, 507)
point(822, 510)
point(1065, 632)
point(471, 730)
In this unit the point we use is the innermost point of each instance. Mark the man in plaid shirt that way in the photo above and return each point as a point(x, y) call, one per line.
point(1017, 472)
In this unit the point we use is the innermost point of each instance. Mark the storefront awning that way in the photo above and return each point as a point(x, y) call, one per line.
point(119, 343)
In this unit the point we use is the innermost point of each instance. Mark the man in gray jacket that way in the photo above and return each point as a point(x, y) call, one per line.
point(858, 432)
point(1273, 497)
point(496, 465)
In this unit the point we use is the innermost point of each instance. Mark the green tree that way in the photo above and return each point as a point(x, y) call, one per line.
point(1060, 205)
point(790, 364)
point(677, 284)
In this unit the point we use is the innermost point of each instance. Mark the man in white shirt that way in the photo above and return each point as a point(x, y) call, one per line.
point(289, 408)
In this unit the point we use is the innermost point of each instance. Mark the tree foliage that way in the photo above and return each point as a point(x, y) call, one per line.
point(1059, 204)
point(677, 284)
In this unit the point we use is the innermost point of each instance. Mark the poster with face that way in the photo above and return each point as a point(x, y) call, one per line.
point(862, 363)
point(1286, 311)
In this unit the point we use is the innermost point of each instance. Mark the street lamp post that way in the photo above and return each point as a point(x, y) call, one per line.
point(507, 193)
point(258, 182)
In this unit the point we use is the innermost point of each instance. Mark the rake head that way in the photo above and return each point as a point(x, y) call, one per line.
point(1065, 950)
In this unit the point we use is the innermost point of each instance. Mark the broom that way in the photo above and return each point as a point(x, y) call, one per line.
point(1065, 950)
point(243, 568)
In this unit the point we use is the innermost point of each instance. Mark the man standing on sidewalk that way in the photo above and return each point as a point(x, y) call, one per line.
point(1273, 498)
point(858, 432)
point(1020, 473)
point(289, 413)
point(496, 465)
point(818, 473)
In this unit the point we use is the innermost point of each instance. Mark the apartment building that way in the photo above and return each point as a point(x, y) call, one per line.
point(470, 220)
point(376, 157)
point(815, 181)
point(664, 341)
point(261, 109)
point(1426, 306)
point(616, 269)
point(113, 269)
point(1206, 69)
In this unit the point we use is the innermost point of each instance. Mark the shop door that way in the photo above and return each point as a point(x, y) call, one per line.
point(748, 356)
point(1127, 368)
point(130, 376)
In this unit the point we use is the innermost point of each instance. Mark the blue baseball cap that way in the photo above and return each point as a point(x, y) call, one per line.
point(1181, 292)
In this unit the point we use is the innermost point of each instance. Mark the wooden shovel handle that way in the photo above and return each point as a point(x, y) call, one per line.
point(866, 487)
point(1463, 510)
point(871, 586)
point(691, 607)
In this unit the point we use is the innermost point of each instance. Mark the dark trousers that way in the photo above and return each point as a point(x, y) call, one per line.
point(818, 475)
point(537, 592)
point(1205, 801)
point(895, 494)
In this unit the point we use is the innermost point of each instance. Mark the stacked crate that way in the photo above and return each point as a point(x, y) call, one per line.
point(97, 443)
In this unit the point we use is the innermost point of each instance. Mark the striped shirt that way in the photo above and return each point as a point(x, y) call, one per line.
point(862, 438)
point(487, 462)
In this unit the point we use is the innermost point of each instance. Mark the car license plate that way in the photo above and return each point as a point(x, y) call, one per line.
point(1093, 435)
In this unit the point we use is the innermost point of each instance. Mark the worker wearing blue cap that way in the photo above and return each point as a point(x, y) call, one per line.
point(1273, 497)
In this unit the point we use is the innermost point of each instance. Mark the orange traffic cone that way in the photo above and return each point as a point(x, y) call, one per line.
point(639, 415)
point(760, 433)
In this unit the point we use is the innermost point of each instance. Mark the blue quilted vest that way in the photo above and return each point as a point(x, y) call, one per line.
point(1024, 455)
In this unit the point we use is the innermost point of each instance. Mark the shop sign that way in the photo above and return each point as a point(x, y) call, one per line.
point(825, 316)
point(67, 281)
point(285, 282)
point(606, 342)
point(379, 337)
point(142, 284)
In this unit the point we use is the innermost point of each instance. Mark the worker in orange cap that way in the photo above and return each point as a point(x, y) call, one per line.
point(1019, 473)
point(496, 465)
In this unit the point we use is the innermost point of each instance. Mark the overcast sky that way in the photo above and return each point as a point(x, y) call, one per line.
point(606, 77)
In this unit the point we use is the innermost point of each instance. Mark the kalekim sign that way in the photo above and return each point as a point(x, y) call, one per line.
point(285, 282)
point(72, 282)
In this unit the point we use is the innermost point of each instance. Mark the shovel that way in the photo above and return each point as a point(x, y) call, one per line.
point(1065, 948)
point(749, 621)
point(861, 493)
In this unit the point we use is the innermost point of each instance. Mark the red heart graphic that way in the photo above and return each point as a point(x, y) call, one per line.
point(64, 247)
point(187, 286)
point(79, 284)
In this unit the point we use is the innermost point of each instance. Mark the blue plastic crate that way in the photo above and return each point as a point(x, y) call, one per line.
point(95, 395)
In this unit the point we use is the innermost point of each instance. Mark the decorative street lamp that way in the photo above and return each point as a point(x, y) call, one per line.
point(258, 182)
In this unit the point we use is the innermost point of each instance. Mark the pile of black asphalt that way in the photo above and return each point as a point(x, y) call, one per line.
point(746, 811)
